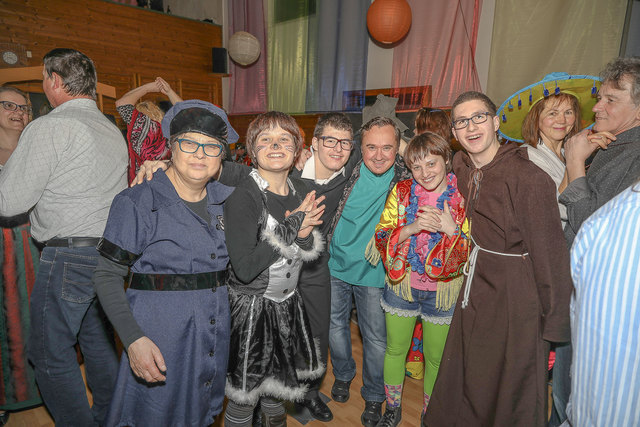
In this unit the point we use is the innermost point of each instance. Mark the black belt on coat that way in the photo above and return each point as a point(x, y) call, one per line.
point(178, 282)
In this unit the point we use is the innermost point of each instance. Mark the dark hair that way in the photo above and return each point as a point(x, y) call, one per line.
point(624, 68)
point(270, 120)
point(380, 122)
point(474, 96)
point(428, 143)
point(338, 121)
point(433, 120)
point(531, 123)
point(76, 70)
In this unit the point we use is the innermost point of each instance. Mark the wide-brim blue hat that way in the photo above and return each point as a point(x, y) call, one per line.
point(232, 135)
point(516, 107)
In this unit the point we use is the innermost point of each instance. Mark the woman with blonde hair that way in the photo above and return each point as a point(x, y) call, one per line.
point(144, 132)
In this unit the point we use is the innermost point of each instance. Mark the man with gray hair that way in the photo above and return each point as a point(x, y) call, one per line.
point(617, 132)
point(47, 174)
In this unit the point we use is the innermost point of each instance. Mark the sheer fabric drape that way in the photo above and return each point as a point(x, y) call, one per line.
point(248, 85)
point(439, 49)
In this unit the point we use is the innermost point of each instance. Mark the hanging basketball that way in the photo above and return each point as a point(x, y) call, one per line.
point(389, 20)
point(244, 48)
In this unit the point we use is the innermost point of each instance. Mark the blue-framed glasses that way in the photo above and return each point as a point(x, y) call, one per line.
point(331, 142)
point(210, 150)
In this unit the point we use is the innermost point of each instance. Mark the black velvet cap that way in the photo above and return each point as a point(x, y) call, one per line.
point(202, 120)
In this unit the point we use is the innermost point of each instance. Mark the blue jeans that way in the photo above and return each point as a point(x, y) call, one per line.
point(64, 311)
point(374, 336)
point(561, 388)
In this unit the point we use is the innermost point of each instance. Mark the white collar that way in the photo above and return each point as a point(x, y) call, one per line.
point(309, 171)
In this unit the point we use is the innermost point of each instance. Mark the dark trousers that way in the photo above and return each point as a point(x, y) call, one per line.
point(315, 288)
point(65, 311)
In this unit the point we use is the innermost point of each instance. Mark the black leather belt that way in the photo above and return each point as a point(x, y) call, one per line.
point(178, 282)
point(73, 242)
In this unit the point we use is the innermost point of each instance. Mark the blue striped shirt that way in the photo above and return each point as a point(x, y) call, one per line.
point(605, 316)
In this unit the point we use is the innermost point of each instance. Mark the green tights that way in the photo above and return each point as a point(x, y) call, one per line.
point(399, 333)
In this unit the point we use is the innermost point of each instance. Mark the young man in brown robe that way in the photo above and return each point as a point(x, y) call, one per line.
point(515, 299)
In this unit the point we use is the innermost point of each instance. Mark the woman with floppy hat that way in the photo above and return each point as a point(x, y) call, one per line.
point(174, 319)
point(555, 108)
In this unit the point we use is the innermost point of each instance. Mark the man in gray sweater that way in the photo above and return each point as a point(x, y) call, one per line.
point(66, 170)
point(617, 131)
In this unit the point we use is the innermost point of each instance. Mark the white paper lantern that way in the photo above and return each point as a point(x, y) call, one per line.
point(244, 48)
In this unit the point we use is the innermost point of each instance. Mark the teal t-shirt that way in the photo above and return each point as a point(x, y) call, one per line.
point(355, 229)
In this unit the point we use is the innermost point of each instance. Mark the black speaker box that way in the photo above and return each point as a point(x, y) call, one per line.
point(219, 60)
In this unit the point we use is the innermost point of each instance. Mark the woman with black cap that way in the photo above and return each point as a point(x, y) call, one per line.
point(174, 319)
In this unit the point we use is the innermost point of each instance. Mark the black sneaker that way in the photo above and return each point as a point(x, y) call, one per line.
point(371, 414)
point(391, 417)
point(340, 391)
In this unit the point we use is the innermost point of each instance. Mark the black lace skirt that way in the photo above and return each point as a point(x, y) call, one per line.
point(272, 351)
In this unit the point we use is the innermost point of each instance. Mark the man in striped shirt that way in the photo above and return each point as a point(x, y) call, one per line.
point(605, 316)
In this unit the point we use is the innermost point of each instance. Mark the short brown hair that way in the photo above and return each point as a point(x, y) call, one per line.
point(270, 120)
point(433, 120)
point(474, 96)
point(428, 143)
point(381, 121)
point(531, 123)
point(338, 121)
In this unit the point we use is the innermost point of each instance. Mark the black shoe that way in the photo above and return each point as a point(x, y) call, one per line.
point(318, 409)
point(391, 417)
point(340, 391)
point(4, 418)
point(275, 420)
point(371, 414)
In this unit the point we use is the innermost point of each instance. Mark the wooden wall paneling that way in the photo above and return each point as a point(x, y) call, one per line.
point(123, 41)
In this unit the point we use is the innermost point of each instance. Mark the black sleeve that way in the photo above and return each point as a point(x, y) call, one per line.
point(249, 254)
point(108, 281)
point(233, 173)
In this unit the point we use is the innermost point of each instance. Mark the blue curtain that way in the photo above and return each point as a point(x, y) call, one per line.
point(337, 53)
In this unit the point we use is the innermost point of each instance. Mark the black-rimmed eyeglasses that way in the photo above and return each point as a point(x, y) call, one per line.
point(12, 106)
point(210, 150)
point(331, 142)
point(477, 119)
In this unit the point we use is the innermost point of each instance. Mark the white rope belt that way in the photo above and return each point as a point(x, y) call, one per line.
point(470, 268)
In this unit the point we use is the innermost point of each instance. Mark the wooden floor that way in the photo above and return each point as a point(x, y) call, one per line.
point(344, 414)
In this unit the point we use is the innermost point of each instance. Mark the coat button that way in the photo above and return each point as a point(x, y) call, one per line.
point(213, 256)
point(285, 291)
point(288, 275)
point(207, 384)
point(211, 353)
point(289, 261)
point(212, 321)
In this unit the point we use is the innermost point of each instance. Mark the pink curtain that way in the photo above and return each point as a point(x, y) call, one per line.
point(439, 49)
point(248, 85)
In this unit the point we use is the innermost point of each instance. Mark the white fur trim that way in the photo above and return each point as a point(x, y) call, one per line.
point(289, 252)
point(268, 387)
point(316, 249)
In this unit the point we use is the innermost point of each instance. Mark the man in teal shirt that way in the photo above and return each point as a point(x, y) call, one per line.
point(352, 229)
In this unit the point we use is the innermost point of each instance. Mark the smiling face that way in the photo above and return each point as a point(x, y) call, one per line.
point(615, 110)
point(13, 120)
point(556, 120)
point(379, 148)
point(430, 172)
point(479, 140)
point(330, 160)
point(275, 150)
point(195, 167)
